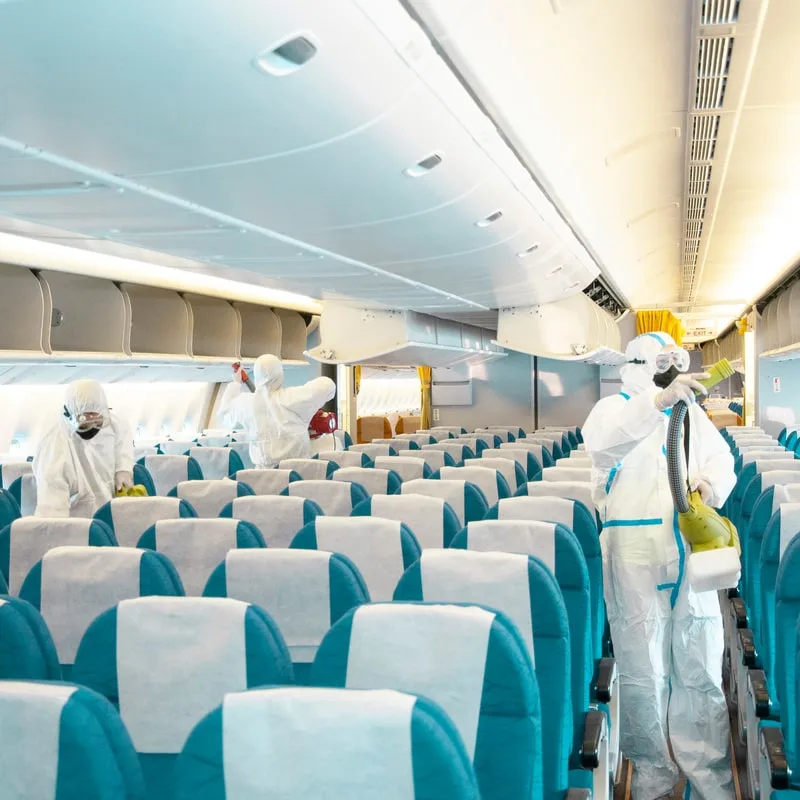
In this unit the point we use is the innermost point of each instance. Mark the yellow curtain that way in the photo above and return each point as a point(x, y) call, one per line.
point(666, 321)
point(425, 405)
point(357, 377)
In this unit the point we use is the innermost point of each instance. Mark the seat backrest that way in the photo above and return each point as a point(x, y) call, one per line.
point(541, 452)
point(566, 474)
point(335, 498)
point(217, 462)
point(310, 469)
point(25, 541)
point(176, 447)
point(473, 446)
point(455, 430)
point(268, 481)
point(81, 748)
point(490, 481)
point(504, 434)
point(432, 521)
point(345, 458)
point(551, 443)
point(168, 471)
point(407, 468)
point(554, 546)
point(23, 490)
point(208, 498)
point(524, 458)
point(787, 614)
point(372, 479)
point(466, 499)
point(514, 474)
point(438, 434)
point(71, 586)
point(571, 490)
point(168, 661)
point(491, 439)
point(750, 456)
point(277, 518)
point(11, 470)
point(197, 546)
point(381, 549)
point(216, 438)
point(304, 591)
point(374, 450)
point(471, 661)
point(418, 438)
point(27, 651)
point(368, 744)
point(574, 516)
point(129, 517)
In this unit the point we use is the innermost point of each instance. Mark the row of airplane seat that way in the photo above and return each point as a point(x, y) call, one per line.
point(762, 615)
point(411, 595)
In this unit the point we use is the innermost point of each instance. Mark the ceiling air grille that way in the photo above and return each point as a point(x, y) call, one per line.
point(719, 12)
point(713, 64)
point(704, 137)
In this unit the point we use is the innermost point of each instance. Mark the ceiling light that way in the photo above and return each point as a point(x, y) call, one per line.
point(554, 271)
point(528, 250)
point(491, 218)
point(424, 166)
point(287, 56)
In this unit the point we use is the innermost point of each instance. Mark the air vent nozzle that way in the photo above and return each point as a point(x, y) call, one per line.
point(287, 56)
point(491, 218)
point(424, 166)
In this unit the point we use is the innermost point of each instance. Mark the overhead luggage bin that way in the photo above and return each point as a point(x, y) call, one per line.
point(293, 336)
point(216, 327)
point(161, 321)
point(572, 329)
point(86, 315)
point(261, 330)
point(22, 312)
point(350, 334)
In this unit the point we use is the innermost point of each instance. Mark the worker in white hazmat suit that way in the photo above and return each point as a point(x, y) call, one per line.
point(85, 459)
point(276, 418)
point(668, 640)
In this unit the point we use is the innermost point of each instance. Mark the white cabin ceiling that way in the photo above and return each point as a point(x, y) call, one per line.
point(146, 128)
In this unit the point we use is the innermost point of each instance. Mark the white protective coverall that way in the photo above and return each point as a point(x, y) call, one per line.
point(75, 476)
point(275, 418)
point(668, 640)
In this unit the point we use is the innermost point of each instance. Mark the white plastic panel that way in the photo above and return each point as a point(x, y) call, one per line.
point(22, 310)
point(88, 314)
point(574, 329)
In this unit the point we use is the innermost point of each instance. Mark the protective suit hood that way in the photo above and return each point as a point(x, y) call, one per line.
point(637, 377)
point(84, 397)
point(268, 371)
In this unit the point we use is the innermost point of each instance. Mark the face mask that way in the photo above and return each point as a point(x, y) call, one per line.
point(664, 379)
point(90, 434)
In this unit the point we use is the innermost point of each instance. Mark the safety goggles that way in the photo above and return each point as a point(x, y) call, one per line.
point(91, 420)
point(673, 357)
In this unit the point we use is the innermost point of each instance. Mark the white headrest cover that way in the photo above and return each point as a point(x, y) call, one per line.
point(790, 524)
point(483, 477)
point(451, 492)
point(79, 584)
point(132, 516)
point(214, 461)
point(333, 497)
point(424, 516)
point(32, 537)
point(529, 537)
point(497, 580)
point(265, 481)
point(293, 586)
point(375, 481)
point(373, 544)
point(177, 657)
point(435, 651)
point(278, 519)
point(549, 509)
point(31, 713)
point(407, 467)
point(318, 744)
point(196, 547)
point(167, 471)
point(208, 498)
point(311, 469)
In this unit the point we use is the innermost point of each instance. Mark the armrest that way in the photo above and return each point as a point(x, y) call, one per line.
point(757, 680)
point(593, 728)
point(739, 611)
point(747, 647)
point(605, 675)
point(773, 750)
point(578, 794)
point(732, 593)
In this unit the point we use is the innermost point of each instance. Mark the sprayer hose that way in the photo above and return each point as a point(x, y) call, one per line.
point(677, 483)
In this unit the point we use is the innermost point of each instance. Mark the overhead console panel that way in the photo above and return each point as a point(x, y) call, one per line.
point(351, 334)
point(572, 329)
